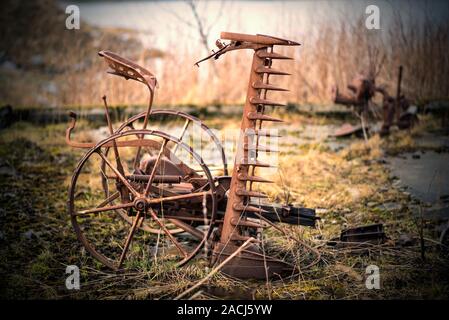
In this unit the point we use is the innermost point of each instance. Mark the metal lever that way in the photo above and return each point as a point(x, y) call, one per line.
point(214, 54)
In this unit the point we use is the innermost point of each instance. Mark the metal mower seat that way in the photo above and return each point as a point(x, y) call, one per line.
point(129, 70)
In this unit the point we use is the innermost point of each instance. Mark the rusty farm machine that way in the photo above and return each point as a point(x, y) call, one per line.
point(142, 195)
point(395, 111)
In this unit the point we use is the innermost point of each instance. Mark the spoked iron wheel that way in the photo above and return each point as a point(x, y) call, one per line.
point(162, 190)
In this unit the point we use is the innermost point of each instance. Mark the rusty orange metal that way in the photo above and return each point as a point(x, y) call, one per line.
point(150, 187)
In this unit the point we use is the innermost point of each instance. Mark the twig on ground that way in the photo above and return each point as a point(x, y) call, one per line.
point(215, 270)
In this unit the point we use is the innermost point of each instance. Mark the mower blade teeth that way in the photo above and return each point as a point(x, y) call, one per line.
point(247, 193)
point(245, 177)
point(260, 85)
point(247, 208)
point(255, 100)
point(246, 223)
point(262, 117)
point(272, 55)
point(272, 71)
point(260, 148)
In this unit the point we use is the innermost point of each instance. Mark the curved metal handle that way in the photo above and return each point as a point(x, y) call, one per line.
point(68, 132)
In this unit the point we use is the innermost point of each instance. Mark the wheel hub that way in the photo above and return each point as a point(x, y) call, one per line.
point(140, 204)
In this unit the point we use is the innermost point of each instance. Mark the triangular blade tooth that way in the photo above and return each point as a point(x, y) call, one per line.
point(272, 55)
point(260, 148)
point(255, 100)
point(245, 177)
point(272, 71)
point(256, 163)
point(267, 86)
point(259, 116)
point(246, 223)
point(247, 208)
point(248, 193)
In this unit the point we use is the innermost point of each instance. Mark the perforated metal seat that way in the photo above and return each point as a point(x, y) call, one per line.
point(128, 69)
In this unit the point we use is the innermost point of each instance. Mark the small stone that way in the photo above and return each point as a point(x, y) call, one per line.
point(8, 66)
point(29, 234)
point(37, 60)
point(392, 206)
point(371, 204)
point(51, 87)
point(397, 183)
point(405, 240)
point(8, 171)
point(354, 193)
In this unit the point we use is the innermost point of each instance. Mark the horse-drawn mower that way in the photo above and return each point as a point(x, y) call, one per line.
point(142, 195)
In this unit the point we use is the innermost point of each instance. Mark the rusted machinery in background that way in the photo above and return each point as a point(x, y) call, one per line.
point(361, 90)
point(142, 194)
point(395, 110)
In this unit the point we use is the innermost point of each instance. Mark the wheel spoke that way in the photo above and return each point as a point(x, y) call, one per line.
point(184, 129)
point(109, 199)
point(136, 158)
point(136, 222)
point(118, 174)
point(102, 209)
point(188, 228)
point(118, 161)
point(153, 171)
point(170, 236)
point(145, 123)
